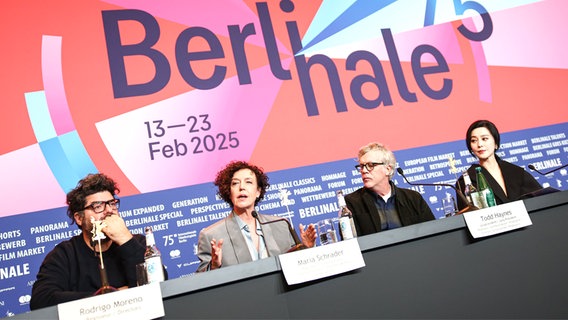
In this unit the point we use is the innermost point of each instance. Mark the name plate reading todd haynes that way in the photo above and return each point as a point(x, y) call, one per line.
point(498, 219)
point(144, 302)
point(320, 262)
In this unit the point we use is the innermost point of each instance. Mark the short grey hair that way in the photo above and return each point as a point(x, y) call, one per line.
point(387, 156)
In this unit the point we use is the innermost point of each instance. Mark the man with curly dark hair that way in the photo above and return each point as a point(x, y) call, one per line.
point(239, 237)
point(71, 270)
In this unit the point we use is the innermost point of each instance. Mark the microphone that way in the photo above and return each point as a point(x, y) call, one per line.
point(545, 173)
point(458, 192)
point(298, 244)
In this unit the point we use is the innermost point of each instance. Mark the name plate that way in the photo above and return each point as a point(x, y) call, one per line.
point(144, 302)
point(498, 219)
point(320, 262)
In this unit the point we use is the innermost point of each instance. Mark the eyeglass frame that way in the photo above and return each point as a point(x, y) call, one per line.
point(113, 204)
point(360, 166)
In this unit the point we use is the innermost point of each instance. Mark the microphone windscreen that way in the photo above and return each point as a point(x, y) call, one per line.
point(254, 214)
point(399, 170)
point(532, 167)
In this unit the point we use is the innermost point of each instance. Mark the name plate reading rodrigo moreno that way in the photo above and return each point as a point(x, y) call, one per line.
point(498, 219)
point(144, 302)
point(320, 262)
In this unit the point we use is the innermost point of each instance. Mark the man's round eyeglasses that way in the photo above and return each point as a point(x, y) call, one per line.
point(99, 206)
point(369, 165)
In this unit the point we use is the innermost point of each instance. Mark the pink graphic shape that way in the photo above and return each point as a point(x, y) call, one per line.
point(231, 107)
point(444, 38)
point(215, 15)
point(441, 36)
point(483, 77)
point(521, 33)
point(26, 175)
point(53, 85)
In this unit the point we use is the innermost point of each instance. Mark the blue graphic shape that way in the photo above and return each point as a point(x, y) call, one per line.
point(65, 155)
point(430, 12)
point(77, 155)
point(58, 163)
point(326, 14)
point(40, 118)
point(336, 23)
point(68, 159)
point(359, 10)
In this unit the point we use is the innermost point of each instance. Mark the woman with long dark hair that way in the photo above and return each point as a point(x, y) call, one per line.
point(508, 181)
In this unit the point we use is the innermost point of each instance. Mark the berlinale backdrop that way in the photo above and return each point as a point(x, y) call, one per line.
point(160, 95)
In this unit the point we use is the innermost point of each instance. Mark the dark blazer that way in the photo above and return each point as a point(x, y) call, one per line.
point(410, 206)
point(517, 181)
point(235, 250)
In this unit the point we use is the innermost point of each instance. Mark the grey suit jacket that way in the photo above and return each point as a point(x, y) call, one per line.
point(276, 235)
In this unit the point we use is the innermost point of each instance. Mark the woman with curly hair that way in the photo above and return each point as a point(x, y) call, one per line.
point(240, 237)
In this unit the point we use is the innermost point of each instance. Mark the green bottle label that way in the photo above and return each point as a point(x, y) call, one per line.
point(490, 197)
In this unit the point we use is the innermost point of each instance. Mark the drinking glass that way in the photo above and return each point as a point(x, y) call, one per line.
point(449, 206)
point(141, 274)
point(326, 231)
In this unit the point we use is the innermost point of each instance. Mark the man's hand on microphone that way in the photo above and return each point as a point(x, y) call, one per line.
point(308, 235)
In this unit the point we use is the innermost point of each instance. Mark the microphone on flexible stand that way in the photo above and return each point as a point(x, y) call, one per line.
point(458, 192)
point(542, 191)
point(298, 244)
point(545, 173)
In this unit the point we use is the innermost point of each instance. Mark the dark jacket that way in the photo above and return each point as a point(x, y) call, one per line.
point(517, 181)
point(71, 270)
point(410, 206)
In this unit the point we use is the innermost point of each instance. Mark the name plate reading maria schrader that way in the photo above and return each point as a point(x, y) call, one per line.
point(144, 302)
point(498, 219)
point(320, 262)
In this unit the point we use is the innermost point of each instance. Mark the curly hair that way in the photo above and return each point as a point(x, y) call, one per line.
point(225, 176)
point(91, 184)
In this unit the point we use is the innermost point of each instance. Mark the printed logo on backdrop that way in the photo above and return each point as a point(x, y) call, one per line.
point(175, 131)
point(303, 195)
point(150, 143)
point(545, 148)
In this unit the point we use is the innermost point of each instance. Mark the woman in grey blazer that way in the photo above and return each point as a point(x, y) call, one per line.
point(240, 237)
